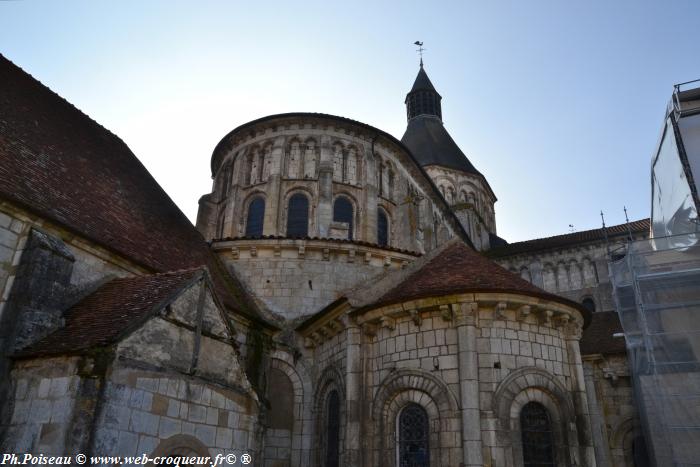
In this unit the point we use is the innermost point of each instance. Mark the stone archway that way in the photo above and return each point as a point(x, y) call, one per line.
point(406, 386)
point(536, 385)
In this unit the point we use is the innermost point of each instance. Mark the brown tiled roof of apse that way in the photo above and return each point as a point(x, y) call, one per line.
point(103, 316)
point(459, 269)
point(559, 241)
point(598, 336)
point(58, 163)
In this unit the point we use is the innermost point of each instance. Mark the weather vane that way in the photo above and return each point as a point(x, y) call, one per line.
point(420, 51)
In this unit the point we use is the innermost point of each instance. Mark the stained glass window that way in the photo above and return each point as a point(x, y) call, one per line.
point(537, 437)
point(256, 215)
point(342, 212)
point(414, 450)
point(298, 216)
point(382, 228)
point(332, 456)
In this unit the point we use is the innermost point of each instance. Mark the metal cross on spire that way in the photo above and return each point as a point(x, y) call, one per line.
point(420, 51)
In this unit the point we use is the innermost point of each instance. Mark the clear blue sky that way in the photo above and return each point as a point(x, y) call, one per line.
point(558, 103)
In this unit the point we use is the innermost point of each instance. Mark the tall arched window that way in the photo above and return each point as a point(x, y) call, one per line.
point(342, 212)
point(382, 228)
point(414, 449)
point(332, 454)
point(536, 429)
point(298, 216)
point(256, 216)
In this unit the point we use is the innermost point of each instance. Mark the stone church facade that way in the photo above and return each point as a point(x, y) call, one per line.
point(344, 299)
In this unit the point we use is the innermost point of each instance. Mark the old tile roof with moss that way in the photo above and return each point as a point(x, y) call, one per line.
point(571, 239)
point(460, 269)
point(112, 311)
point(61, 165)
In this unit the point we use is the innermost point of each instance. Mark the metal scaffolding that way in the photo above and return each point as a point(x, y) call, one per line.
point(657, 294)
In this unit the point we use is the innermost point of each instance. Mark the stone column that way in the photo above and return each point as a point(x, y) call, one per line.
point(465, 317)
point(600, 441)
point(572, 334)
point(274, 204)
point(325, 188)
point(353, 395)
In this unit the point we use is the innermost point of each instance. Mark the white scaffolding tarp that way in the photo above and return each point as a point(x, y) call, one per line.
point(657, 294)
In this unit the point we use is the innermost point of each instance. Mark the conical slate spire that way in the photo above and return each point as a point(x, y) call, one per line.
point(425, 135)
point(423, 99)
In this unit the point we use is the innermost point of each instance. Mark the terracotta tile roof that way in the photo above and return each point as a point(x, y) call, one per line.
point(459, 269)
point(559, 241)
point(598, 336)
point(58, 163)
point(114, 309)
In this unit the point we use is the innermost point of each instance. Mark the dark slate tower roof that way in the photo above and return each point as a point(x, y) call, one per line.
point(426, 136)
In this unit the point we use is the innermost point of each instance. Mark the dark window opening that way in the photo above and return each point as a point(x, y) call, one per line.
point(298, 216)
point(332, 457)
point(538, 444)
point(588, 304)
point(414, 450)
point(342, 212)
point(256, 216)
point(382, 228)
point(281, 397)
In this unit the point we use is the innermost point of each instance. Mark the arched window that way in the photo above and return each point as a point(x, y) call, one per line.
point(256, 216)
point(298, 216)
point(414, 450)
point(342, 212)
point(332, 456)
point(382, 228)
point(588, 304)
point(538, 443)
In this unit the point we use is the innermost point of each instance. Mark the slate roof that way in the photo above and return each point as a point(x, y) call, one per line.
point(113, 310)
point(422, 82)
point(431, 144)
point(598, 336)
point(459, 269)
point(58, 163)
point(559, 241)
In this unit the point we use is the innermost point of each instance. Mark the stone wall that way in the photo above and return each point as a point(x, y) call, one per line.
point(615, 421)
point(323, 159)
point(42, 402)
point(471, 199)
point(92, 263)
point(471, 363)
point(141, 409)
point(293, 278)
point(575, 272)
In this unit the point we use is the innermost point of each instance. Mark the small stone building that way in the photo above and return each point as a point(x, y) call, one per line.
point(339, 302)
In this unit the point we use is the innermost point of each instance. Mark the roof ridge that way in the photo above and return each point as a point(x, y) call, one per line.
point(64, 100)
point(572, 234)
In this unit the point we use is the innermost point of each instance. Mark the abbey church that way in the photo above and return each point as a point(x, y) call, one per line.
point(343, 300)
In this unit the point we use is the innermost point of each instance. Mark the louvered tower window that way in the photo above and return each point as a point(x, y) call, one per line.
point(537, 437)
point(256, 215)
point(332, 456)
point(298, 216)
point(342, 212)
point(382, 228)
point(414, 450)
